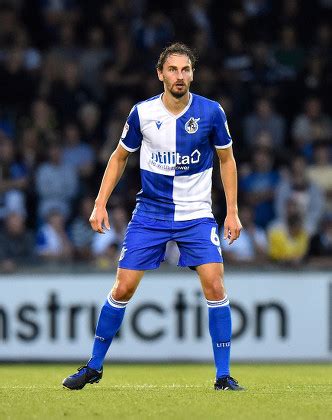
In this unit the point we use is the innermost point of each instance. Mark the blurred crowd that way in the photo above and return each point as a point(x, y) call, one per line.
point(70, 71)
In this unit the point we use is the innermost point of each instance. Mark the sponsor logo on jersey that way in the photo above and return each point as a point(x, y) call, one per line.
point(227, 129)
point(125, 130)
point(191, 125)
point(174, 160)
point(158, 124)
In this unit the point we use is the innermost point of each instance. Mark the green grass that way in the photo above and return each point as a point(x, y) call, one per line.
point(167, 392)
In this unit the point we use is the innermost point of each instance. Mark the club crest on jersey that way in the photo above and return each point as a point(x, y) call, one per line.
point(191, 125)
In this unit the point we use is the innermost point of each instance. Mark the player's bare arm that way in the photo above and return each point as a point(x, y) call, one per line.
point(228, 173)
point(113, 172)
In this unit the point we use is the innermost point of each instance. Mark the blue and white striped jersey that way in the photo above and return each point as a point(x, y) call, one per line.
point(176, 156)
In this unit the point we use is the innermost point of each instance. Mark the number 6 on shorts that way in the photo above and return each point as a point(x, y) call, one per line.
point(214, 237)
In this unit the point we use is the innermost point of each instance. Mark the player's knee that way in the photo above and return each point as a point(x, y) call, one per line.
point(122, 292)
point(215, 291)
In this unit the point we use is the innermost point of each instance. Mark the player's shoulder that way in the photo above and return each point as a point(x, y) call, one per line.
point(207, 102)
point(143, 107)
point(148, 103)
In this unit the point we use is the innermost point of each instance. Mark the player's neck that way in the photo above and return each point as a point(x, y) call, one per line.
point(175, 105)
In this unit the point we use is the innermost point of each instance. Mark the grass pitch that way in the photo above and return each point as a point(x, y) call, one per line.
point(167, 392)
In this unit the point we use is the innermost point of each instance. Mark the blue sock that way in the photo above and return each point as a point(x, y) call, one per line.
point(109, 322)
point(220, 326)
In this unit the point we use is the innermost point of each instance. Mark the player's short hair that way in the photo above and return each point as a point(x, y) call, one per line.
point(176, 48)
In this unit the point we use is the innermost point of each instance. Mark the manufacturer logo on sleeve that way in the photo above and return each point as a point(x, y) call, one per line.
point(191, 125)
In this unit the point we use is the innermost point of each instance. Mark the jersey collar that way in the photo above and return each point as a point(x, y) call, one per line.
point(181, 113)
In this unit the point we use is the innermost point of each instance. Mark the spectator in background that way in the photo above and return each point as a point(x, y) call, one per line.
point(89, 117)
point(258, 186)
point(113, 13)
point(17, 86)
point(42, 119)
point(288, 52)
point(320, 252)
point(13, 179)
point(207, 79)
point(307, 194)
point(205, 48)
point(31, 54)
point(76, 154)
point(56, 12)
point(264, 140)
point(16, 243)
point(7, 123)
point(154, 32)
point(264, 118)
point(114, 127)
point(323, 42)
point(288, 240)
point(53, 243)
point(127, 186)
point(264, 73)
point(320, 171)
point(199, 13)
point(123, 75)
point(233, 117)
point(66, 47)
point(56, 184)
point(251, 246)
point(236, 58)
point(313, 81)
point(9, 23)
point(80, 230)
point(29, 148)
point(93, 56)
point(50, 73)
point(31, 152)
point(292, 14)
point(311, 127)
point(68, 94)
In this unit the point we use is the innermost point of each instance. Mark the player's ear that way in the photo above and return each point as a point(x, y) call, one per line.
point(160, 75)
point(192, 75)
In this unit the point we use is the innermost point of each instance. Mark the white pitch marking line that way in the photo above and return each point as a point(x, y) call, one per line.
point(124, 386)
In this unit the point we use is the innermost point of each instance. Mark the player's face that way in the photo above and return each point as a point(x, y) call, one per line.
point(177, 74)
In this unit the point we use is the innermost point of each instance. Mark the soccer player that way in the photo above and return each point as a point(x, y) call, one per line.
point(176, 133)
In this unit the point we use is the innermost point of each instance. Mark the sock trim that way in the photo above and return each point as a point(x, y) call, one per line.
point(115, 303)
point(218, 303)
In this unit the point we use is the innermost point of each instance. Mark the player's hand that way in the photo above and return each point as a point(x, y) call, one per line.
point(99, 218)
point(232, 227)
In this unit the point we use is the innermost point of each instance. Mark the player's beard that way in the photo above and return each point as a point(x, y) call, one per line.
point(176, 93)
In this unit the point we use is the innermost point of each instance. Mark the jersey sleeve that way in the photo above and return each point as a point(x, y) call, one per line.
point(221, 137)
point(131, 137)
